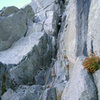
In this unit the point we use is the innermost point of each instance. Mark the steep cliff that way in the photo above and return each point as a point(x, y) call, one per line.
point(50, 50)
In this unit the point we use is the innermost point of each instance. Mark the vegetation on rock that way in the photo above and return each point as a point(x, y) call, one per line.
point(92, 64)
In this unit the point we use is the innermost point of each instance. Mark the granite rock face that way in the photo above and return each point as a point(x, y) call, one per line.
point(2, 78)
point(42, 52)
point(14, 26)
point(73, 41)
point(30, 52)
point(33, 92)
point(76, 16)
point(97, 82)
point(27, 61)
point(50, 24)
point(9, 10)
point(40, 5)
point(80, 85)
point(38, 58)
point(93, 36)
point(50, 94)
point(29, 12)
point(23, 93)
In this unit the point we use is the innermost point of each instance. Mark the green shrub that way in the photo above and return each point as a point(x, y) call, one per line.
point(92, 64)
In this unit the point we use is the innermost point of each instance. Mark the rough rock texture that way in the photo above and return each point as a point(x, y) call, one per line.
point(97, 82)
point(60, 65)
point(40, 5)
point(34, 27)
point(93, 37)
point(29, 12)
point(2, 80)
point(50, 24)
point(40, 8)
point(33, 92)
point(80, 85)
point(14, 26)
point(27, 61)
point(23, 93)
point(50, 94)
point(73, 36)
point(30, 53)
point(84, 35)
point(9, 10)
point(44, 60)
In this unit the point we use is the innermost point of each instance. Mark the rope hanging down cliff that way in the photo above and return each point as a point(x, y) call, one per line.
point(47, 79)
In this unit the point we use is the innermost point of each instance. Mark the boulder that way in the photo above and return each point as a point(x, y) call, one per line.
point(8, 11)
point(80, 85)
point(26, 57)
point(12, 28)
point(23, 93)
point(97, 82)
point(51, 23)
point(40, 5)
point(29, 12)
point(29, 49)
point(34, 92)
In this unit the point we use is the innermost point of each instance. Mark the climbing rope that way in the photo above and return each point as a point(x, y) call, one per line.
point(48, 93)
point(46, 81)
point(52, 85)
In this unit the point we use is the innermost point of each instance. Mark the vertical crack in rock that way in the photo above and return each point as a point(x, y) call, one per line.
point(92, 51)
point(30, 57)
point(3, 79)
point(55, 35)
point(82, 26)
point(93, 28)
point(93, 76)
point(4, 84)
